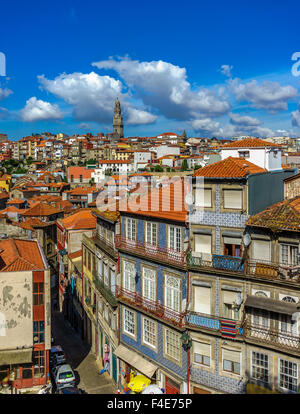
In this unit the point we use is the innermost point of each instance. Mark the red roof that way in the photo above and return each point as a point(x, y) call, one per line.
point(83, 219)
point(78, 171)
point(229, 168)
point(19, 255)
point(250, 143)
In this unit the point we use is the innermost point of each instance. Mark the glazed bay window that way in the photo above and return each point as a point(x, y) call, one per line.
point(172, 344)
point(151, 234)
point(260, 367)
point(233, 199)
point(130, 229)
point(149, 332)
point(129, 322)
point(288, 375)
point(175, 242)
point(129, 272)
point(288, 254)
point(202, 353)
point(231, 361)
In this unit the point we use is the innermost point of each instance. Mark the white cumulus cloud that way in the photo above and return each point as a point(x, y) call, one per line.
point(296, 117)
point(38, 110)
point(4, 93)
point(139, 117)
point(164, 86)
point(245, 120)
point(267, 95)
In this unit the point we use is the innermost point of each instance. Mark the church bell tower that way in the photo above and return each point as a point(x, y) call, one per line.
point(118, 121)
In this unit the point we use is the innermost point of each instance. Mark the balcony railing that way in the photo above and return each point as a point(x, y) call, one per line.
point(215, 323)
point(264, 269)
point(280, 339)
point(152, 307)
point(150, 251)
point(105, 291)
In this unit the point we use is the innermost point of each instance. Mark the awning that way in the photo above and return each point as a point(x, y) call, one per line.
point(136, 361)
point(271, 305)
point(21, 356)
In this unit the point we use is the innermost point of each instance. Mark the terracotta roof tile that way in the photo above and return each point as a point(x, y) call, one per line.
point(83, 219)
point(41, 209)
point(20, 255)
point(250, 143)
point(229, 168)
point(284, 215)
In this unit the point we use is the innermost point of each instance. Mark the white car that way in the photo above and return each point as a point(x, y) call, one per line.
point(63, 375)
point(57, 356)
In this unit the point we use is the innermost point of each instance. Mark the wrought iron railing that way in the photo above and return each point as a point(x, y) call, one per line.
point(261, 268)
point(149, 251)
point(105, 291)
point(152, 307)
point(263, 334)
point(206, 321)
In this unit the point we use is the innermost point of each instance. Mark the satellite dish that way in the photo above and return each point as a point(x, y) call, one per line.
point(246, 239)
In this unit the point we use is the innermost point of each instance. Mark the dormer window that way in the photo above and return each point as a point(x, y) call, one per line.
point(244, 154)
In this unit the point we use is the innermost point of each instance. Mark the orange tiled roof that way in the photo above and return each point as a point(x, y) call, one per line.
point(41, 209)
point(250, 143)
point(20, 255)
point(78, 171)
point(229, 168)
point(284, 215)
point(83, 219)
point(167, 203)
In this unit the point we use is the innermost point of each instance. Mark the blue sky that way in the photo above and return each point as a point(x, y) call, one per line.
point(213, 69)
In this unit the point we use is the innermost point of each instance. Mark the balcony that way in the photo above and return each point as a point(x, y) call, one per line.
point(105, 244)
point(276, 338)
point(215, 323)
point(105, 291)
point(151, 252)
point(151, 307)
point(252, 268)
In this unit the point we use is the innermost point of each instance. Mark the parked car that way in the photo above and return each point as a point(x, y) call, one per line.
point(63, 375)
point(70, 390)
point(57, 356)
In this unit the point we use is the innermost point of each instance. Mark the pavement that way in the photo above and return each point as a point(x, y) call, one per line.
point(78, 355)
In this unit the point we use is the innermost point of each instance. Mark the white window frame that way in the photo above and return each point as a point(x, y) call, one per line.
point(175, 238)
point(173, 346)
point(259, 366)
point(131, 226)
point(279, 375)
point(291, 258)
point(196, 353)
point(129, 276)
point(172, 294)
point(127, 322)
point(151, 234)
point(149, 283)
point(226, 191)
point(148, 332)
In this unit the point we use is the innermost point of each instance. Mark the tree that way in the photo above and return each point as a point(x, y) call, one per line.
point(184, 165)
point(158, 168)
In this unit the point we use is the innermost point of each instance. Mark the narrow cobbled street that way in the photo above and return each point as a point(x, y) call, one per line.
point(80, 358)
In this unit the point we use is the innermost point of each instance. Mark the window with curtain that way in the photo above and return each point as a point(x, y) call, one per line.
point(151, 233)
point(230, 311)
point(175, 238)
point(129, 271)
point(202, 353)
point(149, 283)
point(233, 199)
point(231, 361)
point(203, 245)
point(129, 321)
point(261, 250)
point(203, 197)
point(288, 254)
point(130, 228)
point(172, 293)
point(202, 299)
